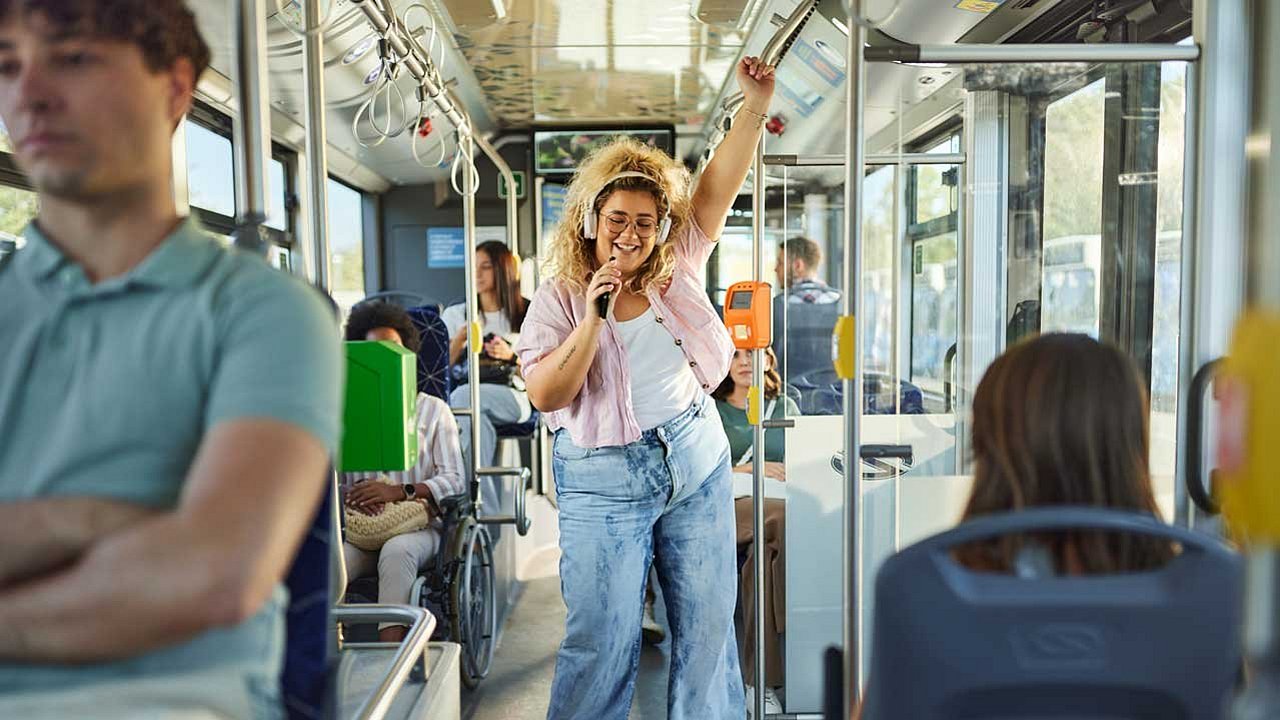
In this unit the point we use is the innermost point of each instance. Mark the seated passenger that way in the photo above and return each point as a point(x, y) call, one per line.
point(731, 401)
point(811, 307)
point(502, 308)
point(168, 406)
point(1062, 420)
point(437, 474)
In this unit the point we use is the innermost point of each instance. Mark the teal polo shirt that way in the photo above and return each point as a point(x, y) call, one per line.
point(107, 390)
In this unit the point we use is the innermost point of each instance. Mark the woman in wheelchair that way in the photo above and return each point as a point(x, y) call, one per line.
point(503, 400)
point(731, 402)
point(1062, 420)
point(437, 475)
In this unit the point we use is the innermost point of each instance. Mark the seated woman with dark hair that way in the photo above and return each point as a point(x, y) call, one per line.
point(437, 475)
point(731, 402)
point(1062, 420)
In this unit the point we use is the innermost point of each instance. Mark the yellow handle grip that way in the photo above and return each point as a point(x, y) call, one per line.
point(1248, 424)
point(844, 350)
point(475, 337)
point(755, 396)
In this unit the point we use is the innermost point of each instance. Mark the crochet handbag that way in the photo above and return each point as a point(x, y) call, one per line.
point(370, 532)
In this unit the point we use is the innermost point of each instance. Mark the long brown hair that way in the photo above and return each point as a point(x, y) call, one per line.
point(1062, 420)
point(772, 380)
point(506, 279)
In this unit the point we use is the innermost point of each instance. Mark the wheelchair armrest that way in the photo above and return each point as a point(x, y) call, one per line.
point(455, 507)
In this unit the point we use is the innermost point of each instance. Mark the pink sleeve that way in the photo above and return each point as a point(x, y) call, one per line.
point(693, 247)
point(547, 324)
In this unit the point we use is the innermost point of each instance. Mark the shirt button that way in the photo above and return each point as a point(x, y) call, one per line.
point(679, 342)
point(659, 319)
point(705, 386)
point(693, 363)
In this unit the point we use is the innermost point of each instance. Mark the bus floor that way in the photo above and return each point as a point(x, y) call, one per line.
point(519, 684)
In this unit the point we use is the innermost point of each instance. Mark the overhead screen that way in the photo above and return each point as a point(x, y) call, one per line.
point(558, 152)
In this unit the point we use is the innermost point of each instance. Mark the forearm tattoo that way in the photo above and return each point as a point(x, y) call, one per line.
point(568, 355)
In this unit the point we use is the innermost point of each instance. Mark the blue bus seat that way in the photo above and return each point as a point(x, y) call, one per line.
point(433, 355)
point(806, 344)
point(309, 654)
point(520, 429)
point(822, 393)
point(949, 642)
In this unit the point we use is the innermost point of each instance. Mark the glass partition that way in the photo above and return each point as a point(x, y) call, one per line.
point(1054, 204)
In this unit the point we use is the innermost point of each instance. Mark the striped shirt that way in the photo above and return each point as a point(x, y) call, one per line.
point(439, 463)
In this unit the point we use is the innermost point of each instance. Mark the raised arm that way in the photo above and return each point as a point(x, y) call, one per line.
point(723, 177)
point(212, 562)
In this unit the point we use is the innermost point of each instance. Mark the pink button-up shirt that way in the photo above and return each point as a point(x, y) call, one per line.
point(601, 414)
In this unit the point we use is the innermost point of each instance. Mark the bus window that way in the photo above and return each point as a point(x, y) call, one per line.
point(1073, 211)
point(878, 246)
point(17, 208)
point(277, 191)
point(209, 170)
point(346, 244)
point(933, 311)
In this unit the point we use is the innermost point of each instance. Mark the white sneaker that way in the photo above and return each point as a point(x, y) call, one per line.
point(650, 631)
point(772, 705)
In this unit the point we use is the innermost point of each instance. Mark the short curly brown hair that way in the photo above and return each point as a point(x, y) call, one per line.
point(164, 30)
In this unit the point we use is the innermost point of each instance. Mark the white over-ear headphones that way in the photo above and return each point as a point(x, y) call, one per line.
point(589, 217)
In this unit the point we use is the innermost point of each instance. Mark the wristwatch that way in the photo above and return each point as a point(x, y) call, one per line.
point(410, 491)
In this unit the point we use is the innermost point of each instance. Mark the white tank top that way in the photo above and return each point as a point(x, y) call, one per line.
point(662, 385)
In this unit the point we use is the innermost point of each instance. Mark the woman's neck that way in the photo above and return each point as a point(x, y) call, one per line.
point(738, 397)
point(489, 302)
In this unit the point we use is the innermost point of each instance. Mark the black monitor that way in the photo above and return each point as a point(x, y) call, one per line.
point(560, 151)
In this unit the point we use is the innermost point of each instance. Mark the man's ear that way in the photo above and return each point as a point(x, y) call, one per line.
point(181, 80)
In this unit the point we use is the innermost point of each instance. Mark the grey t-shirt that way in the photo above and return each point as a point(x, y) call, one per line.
point(107, 390)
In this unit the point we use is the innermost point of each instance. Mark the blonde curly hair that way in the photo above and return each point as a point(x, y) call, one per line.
point(571, 257)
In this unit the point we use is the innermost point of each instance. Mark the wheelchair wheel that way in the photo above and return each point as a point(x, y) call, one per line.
point(475, 617)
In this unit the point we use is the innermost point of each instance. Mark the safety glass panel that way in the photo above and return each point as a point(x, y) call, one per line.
point(17, 208)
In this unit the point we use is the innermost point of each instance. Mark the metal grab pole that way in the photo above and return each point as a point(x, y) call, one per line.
point(251, 131)
point(316, 147)
point(467, 149)
point(855, 109)
point(755, 410)
point(513, 230)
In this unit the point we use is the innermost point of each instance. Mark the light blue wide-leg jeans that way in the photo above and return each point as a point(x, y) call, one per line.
point(670, 491)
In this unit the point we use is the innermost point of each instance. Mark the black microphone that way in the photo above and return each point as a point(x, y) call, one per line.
point(602, 302)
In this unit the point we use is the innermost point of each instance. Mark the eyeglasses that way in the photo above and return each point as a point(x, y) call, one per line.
point(645, 227)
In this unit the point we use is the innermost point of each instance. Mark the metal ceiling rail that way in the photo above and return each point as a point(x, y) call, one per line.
point(417, 61)
point(1052, 52)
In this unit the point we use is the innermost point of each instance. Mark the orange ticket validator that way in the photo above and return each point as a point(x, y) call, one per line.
point(748, 313)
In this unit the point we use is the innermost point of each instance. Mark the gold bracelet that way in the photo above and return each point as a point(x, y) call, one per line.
point(763, 118)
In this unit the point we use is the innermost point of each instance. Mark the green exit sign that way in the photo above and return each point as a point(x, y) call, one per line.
point(518, 176)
